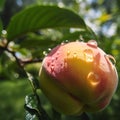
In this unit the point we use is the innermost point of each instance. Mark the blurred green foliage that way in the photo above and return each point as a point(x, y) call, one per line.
point(102, 16)
point(12, 96)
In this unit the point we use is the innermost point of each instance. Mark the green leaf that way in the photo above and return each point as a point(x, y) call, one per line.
point(37, 41)
point(79, 35)
point(31, 107)
point(34, 111)
point(39, 17)
point(2, 2)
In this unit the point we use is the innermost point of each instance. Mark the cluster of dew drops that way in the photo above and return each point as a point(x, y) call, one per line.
point(88, 52)
point(45, 52)
point(92, 77)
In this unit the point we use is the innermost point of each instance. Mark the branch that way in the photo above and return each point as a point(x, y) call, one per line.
point(20, 62)
point(29, 61)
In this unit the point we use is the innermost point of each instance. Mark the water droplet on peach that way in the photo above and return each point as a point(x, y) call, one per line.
point(52, 68)
point(92, 43)
point(68, 53)
point(48, 63)
point(93, 79)
point(62, 43)
point(75, 55)
point(65, 62)
point(110, 58)
point(58, 52)
point(88, 55)
point(56, 57)
point(52, 59)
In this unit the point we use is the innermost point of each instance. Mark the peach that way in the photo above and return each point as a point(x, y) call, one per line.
point(78, 77)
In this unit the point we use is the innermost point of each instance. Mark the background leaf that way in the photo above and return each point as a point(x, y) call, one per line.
point(2, 2)
point(39, 17)
point(1, 27)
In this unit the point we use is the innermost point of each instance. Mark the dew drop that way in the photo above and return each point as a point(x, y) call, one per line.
point(52, 65)
point(48, 64)
point(58, 52)
point(92, 43)
point(65, 62)
point(81, 38)
point(52, 68)
point(66, 41)
point(62, 43)
point(44, 53)
point(49, 49)
point(111, 58)
point(75, 55)
point(88, 55)
point(53, 59)
point(56, 57)
point(93, 79)
point(68, 53)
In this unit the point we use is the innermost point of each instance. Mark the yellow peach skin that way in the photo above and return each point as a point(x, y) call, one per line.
point(78, 77)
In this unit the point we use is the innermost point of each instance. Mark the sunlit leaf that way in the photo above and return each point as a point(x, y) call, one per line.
point(40, 17)
point(105, 17)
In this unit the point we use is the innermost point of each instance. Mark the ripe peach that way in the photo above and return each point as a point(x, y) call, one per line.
point(78, 77)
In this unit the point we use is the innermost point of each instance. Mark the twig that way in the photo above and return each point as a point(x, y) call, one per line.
point(19, 61)
point(29, 61)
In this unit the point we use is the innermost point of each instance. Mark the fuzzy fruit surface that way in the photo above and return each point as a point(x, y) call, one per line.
point(78, 77)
